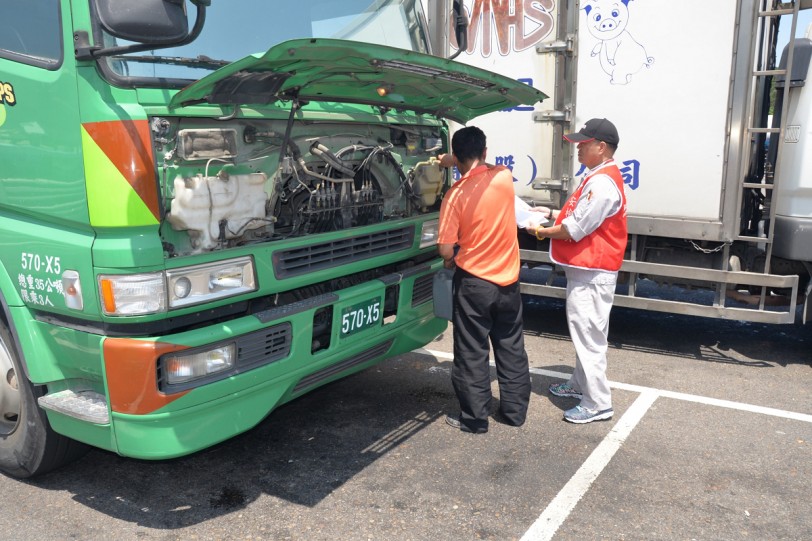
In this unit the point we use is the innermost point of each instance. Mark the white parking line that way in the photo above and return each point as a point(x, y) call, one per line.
point(717, 402)
point(565, 501)
point(660, 392)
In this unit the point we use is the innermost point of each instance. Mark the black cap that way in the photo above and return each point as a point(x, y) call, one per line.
point(596, 128)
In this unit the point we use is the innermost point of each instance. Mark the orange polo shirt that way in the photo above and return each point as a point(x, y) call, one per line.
point(478, 215)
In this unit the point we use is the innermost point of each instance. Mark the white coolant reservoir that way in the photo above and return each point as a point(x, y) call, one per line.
point(428, 181)
point(211, 208)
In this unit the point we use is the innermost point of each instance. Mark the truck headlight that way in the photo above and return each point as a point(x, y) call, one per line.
point(183, 367)
point(132, 294)
point(429, 233)
point(151, 293)
point(204, 283)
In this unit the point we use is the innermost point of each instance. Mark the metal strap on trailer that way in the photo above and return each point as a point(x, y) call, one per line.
point(717, 309)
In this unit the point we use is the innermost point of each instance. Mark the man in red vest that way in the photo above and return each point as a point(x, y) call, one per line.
point(589, 240)
point(478, 238)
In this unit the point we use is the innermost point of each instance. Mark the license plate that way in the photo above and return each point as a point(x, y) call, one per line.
point(360, 316)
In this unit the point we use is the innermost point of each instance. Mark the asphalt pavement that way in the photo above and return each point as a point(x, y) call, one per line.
point(711, 440)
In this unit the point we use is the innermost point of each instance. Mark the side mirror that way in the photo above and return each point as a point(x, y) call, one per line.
point(154, 22)
point(151, 24)
point(460, 20)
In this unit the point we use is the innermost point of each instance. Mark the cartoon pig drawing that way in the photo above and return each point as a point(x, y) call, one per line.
point(620, 55)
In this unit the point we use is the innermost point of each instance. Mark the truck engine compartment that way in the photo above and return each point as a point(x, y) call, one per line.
point(240, 181)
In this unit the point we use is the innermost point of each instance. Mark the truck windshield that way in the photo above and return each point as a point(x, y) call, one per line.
point(237, 28)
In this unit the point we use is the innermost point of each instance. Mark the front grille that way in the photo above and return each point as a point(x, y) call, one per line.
point(298, 261)
point(422, 291)
point(263, 347)
point(324, 373)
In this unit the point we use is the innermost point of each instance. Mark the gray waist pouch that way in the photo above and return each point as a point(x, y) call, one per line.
point(442, 293)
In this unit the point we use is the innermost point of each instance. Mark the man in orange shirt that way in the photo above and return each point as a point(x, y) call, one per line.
point(478, 222)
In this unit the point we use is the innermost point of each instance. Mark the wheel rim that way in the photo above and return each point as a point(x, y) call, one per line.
point(9, 392)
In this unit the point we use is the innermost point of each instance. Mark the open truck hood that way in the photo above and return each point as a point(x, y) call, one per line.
point(330, 70)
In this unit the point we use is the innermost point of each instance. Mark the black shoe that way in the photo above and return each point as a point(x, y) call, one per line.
point(499, 417)
point(456, 423)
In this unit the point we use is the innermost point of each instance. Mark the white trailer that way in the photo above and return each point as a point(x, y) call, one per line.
point(689, 88)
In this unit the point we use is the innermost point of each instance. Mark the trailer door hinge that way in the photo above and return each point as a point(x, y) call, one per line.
point(558, 46)
point(561, 184)
point(553, 115)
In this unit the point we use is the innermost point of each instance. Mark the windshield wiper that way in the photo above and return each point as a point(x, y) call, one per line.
point(202, 61)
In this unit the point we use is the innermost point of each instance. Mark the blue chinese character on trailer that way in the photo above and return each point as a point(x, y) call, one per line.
point(508, 161)
point(629, 170)
point(631, 173)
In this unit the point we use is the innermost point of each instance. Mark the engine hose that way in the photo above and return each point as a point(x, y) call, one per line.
point(317, 149)
point(303, 165)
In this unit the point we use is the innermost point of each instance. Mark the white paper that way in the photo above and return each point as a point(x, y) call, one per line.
point(527, 217)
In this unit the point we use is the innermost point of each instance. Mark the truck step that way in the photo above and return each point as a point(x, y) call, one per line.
point(771, 73)
point(85, 405)
point(776, 12)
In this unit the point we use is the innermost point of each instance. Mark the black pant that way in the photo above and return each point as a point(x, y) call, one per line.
point(483, 311)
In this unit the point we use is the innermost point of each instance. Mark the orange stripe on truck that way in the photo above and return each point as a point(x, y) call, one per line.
point(131, 367)
point(127, 144)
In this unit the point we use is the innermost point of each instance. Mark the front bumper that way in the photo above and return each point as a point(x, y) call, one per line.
point(149, 423)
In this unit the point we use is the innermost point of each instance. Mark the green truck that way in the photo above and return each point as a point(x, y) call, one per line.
point(208, 209)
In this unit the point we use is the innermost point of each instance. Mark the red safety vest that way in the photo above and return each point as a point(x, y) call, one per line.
point(602, 249)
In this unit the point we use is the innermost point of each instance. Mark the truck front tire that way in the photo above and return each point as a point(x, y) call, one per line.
point(28, 445)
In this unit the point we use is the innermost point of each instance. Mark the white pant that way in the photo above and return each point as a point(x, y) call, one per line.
point(588, 307)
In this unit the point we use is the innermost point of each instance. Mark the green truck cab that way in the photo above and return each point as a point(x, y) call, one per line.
point(197, 226)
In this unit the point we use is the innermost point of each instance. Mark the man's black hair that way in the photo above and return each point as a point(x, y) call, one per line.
point(468, 143)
